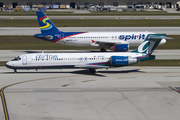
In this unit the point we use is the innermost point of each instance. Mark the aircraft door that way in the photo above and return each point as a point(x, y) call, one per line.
point(85, 59)
point(24, 60)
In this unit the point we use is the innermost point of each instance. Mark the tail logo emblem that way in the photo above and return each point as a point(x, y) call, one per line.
point(47, 26)
point(143, 47)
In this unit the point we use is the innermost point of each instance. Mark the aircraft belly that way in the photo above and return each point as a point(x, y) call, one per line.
point(45, 65)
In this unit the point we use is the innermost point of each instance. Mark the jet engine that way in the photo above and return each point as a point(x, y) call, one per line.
point(120, 48)
point(122, 60)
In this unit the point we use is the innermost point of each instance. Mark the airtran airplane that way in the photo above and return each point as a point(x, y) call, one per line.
point(117, 41)
point(91, 61)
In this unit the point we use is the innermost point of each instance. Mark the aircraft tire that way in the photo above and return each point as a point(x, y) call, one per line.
point(103, 50)
point(92, 70)
point(15, 71)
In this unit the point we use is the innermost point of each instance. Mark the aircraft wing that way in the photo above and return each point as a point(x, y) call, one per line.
point(90, 66)
point(108, 43)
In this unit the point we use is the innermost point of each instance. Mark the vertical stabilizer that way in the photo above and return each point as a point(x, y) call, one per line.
point(45, 23)
point(150, 43)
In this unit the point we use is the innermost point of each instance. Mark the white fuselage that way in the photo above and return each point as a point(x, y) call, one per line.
point(90, 38)
point(65, 60)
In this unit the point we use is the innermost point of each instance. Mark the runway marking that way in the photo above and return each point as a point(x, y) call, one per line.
point(4, 103)
point(142, 67)
point(3, 96)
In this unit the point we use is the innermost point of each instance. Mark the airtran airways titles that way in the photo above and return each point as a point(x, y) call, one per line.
point(133, 37)
point(46, 56)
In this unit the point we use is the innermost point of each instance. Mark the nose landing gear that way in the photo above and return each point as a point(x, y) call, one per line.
point(15, 71)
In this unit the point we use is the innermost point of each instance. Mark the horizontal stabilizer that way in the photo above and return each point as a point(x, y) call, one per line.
point(158, 37)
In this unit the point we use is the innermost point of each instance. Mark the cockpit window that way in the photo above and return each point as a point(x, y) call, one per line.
point(16, 59)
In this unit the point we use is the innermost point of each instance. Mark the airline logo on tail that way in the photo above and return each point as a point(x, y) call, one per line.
point(47, 25)
point(144, 46)
point(151, 42)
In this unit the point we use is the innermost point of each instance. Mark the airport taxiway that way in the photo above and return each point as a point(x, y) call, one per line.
point(159, 17)
point(127, 93)
point(35, 30)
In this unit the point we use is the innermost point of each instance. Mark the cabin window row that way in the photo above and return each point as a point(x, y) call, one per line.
point(88, 37)
point(72, 59)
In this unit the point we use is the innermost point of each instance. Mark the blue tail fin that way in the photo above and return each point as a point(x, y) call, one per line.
point(45, 23)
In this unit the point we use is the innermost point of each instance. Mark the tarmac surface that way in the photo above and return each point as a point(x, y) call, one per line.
point(165, 17)
point(35, 30)
point(127, 93)
point(7, 55)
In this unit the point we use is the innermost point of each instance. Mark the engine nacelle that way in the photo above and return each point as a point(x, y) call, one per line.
point(122, 60)
point(120, 47)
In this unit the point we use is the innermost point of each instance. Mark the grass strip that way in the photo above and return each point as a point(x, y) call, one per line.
point(2, 63)
point(31, 43)
point(94, 23)
point(159, 63)
point(145, 63)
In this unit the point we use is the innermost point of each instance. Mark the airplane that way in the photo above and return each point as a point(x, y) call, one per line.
point(116, 41)
point(91, 61)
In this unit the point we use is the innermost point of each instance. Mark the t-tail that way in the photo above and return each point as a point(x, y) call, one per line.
point(148, 46)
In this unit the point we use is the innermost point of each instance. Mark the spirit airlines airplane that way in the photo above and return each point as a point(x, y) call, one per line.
point(91, 61)
point(117, 41)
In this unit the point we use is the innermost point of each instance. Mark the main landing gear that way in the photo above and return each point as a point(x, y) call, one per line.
point(92, 70)
point(103, 50)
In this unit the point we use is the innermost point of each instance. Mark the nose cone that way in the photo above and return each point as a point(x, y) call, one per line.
point(162, 41)
point(9, 64)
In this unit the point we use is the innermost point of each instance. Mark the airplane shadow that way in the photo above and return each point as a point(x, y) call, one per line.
point(80, 72)
point(122, 71)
